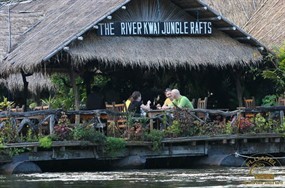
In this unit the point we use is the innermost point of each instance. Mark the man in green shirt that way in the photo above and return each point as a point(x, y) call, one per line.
point(179, 100)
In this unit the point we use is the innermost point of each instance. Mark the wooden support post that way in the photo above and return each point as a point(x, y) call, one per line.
point(206, 148)
point(51, 124)
point(76, 96)
point(281, 117)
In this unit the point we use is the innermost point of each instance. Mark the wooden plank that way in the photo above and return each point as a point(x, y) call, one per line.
point(221, 137)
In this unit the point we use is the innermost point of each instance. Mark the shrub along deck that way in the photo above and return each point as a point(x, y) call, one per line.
point(217, 133)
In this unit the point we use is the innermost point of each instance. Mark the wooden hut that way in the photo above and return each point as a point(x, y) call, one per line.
point(66, 36)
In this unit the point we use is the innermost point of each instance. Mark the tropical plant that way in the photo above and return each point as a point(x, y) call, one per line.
point(8, 132)
point(5, 104)
point(51, 102)
point(88, 133)
point(277, 74)
point(63, 130)
point(174, 130)
point(156, 137)
point(269, 100)
point(228, 128)
point(45, 142)
point(64, 96)
point(114, 145)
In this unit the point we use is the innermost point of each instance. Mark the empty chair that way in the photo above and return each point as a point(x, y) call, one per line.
point(116, 121)
point(249, 103)
point(109, 106)
point(120, 120)
point(18, 109)
point(42, 107)
point(202, 103)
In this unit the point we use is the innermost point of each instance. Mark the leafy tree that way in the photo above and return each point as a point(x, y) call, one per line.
point(277, 73)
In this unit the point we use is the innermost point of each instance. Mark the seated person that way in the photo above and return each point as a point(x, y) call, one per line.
point(180, 101)
point(168, 101)
point(127, 103)
point(136, 105)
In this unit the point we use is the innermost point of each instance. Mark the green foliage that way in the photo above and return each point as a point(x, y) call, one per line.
point(278, 73)
point(281, 128)
point(261, 124)
point(114, 145)
point(5, 104)
point(14, 151)
point(51, 102)
point(45, 142)
point(156, 137)
point(64, 96)
point(269, 100)
point(31, 137)
point(101, 80)
point(228, 128)
point(8, 132)
point(174, 130)
point(88, 133)
point(32, 105)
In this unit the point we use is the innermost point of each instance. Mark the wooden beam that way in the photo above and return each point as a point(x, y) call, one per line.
point(196, 9)
point(227, 28)
point(216, 18)
point(243, 38)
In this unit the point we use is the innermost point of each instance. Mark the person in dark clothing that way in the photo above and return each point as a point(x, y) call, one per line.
point(95, 100)
point(136, 105)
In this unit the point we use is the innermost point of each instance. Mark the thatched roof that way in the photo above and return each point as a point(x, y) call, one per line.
point(237, 11)
point(64, 21)
point(37, 82)
point(218, 50)
point(263, 19)
point(14, 24)
point(268, 23)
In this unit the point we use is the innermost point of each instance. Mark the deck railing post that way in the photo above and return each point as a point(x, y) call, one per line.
point(51, 124)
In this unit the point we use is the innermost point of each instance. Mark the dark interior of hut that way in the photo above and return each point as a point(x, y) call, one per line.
point(117, 83)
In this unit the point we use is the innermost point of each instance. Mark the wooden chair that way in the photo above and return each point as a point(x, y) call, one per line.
point(249, 103)
point(110, 118)
point(18, 109)
point(202, 103)
point(109, 106)
point(113, 121)
point(42, 107)
point(121, 121)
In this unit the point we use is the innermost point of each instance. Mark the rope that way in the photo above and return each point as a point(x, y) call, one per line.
point(250, 157)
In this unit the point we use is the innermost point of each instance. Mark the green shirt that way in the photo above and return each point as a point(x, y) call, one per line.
point(183, 102)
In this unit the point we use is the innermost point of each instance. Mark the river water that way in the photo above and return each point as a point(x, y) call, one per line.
point(160, 178)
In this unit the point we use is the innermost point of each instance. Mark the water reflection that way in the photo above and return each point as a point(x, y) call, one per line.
point(210, 177)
